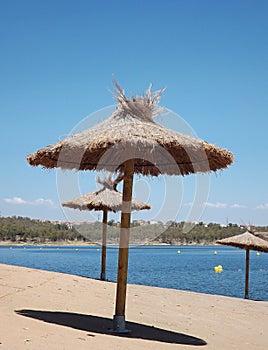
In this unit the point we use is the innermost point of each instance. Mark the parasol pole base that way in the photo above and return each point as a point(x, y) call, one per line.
point(103, 276)
point(119, 325)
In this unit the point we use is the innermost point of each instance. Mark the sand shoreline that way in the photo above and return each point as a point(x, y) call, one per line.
point(88, 244)
point(48, 310)
point(48, 244)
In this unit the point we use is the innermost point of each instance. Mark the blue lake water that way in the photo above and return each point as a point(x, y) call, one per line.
point(161, 266)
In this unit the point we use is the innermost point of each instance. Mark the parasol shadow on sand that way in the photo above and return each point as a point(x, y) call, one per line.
point(105, 199)
point(247, 241)
point(103, 325)
point(131, 142)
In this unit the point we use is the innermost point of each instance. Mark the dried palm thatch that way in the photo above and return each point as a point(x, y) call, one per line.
point(247, 241)
point(262, 235)
point(106, 198)
point(252, 229)
point(130, 141)
point(155, 148)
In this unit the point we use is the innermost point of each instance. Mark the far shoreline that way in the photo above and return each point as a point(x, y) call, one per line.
point(92, 244)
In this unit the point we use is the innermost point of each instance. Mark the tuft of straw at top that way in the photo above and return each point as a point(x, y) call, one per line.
point(145, 106)
point(109, 183)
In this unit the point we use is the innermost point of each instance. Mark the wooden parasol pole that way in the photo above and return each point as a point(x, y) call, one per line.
point(119, 317)
point(103, 251)
point(247, 273)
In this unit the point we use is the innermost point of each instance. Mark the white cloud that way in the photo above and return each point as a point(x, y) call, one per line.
point(189, 204)
point(36, 202)
point(238, 206)
point(207, 204)
point(42, 201)
point(219, 205)
point(216, 205)
point(15, 200)
point(262, 206)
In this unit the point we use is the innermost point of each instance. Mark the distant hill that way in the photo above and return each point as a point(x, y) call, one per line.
point(25, 230)
point(29, 231)
point(203, 233)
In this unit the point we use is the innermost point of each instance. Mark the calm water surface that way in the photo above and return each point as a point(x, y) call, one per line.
point(161, 266)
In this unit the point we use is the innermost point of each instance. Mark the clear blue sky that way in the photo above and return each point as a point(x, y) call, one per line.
point(56, 65)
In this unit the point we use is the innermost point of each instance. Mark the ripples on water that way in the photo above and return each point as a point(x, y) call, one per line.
point(161, 266)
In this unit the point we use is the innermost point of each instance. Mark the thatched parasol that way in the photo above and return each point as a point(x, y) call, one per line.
point(132, 126)
point(132, 142)
point(105, 199)
point(249, 242)
point(262, 235)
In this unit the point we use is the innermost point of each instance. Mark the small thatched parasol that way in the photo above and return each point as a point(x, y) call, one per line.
point(132, 142)
point(105, 199)
point(249, 242)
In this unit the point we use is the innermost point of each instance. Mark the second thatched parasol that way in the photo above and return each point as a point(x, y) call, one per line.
point(247, 241)
point(105, 199)
point(130, 141)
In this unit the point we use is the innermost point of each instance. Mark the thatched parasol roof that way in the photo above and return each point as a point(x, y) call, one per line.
point(262, 235)
point(130, 141)
point(106, 198)
point(246, 241)
point(155, 148)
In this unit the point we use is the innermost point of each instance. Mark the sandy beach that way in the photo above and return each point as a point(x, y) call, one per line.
point(46, 310)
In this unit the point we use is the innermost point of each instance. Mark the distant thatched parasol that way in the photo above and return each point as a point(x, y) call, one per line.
point(132, 142)
point(249, 242)
point(262, 235)
point(105, 199)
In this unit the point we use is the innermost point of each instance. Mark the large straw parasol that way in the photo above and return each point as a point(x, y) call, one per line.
point(247, 241)
point(105, 199)
point(130, 141)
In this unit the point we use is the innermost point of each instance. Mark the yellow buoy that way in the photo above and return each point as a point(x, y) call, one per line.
point(218, 269)
point(179, 251)
point(76, 249)
point(258, 253)
point(215, 252)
